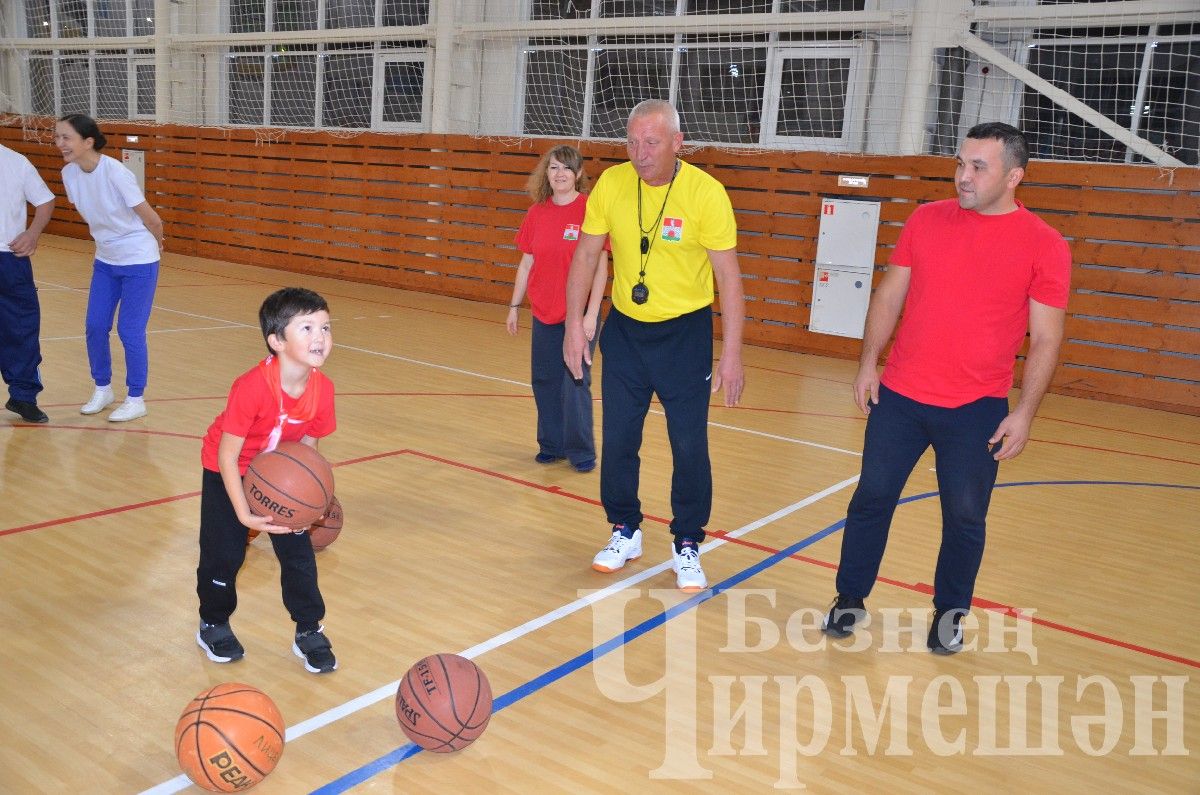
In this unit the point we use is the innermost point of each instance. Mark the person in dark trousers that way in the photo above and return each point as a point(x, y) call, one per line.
point(970, 276)
point(547, 239)
point(20, 312)
point(284, 398)
point(672, 233)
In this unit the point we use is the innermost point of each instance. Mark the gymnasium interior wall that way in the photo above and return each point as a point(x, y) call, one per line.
point(437, 213)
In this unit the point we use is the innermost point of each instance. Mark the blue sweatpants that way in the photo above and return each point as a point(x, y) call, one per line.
point(899, 430)
point(20, 324)
point(672, 359)
point(132, 287)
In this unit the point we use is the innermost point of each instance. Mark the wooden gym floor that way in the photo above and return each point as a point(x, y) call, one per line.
point(456, 541)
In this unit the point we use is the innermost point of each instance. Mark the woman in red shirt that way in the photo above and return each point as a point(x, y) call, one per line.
point(547, 240)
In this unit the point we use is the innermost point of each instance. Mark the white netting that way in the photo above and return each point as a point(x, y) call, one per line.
point(1117, 82)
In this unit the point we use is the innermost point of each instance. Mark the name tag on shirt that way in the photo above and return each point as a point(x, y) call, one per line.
point(571, 232)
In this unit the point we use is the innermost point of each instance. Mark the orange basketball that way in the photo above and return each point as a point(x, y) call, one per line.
point(292, 485)
point(229, 737)
point(325, 530)
point(444, 703)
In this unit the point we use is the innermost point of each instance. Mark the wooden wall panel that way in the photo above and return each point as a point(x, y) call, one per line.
point(438, 213)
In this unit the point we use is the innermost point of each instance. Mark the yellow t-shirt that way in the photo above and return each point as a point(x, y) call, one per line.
point(697, 218)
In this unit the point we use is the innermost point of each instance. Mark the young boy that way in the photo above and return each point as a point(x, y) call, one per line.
point(284, 398)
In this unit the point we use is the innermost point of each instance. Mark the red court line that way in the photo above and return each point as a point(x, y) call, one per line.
point(926, 588)
point(106, 512)
point(150, 503)
point(1119, 452)
point(1120, 430)
point(509, 478)
point(1039, 419)
point(52, 426)
point(372, 457)
point(799, 375)
point(983, 604)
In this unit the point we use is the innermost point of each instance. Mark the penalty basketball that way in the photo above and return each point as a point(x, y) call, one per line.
point(444, 703)
point(325, 530)
point(292, 485)
point(229, 737)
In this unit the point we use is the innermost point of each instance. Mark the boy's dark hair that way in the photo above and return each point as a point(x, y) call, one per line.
point(1016, 148)
point(283, 305)
point(87, 128)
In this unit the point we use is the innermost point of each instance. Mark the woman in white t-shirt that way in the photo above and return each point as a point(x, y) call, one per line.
point(129, 236)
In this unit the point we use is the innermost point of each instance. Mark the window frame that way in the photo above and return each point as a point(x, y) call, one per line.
point(860, 53)
point(382, 59)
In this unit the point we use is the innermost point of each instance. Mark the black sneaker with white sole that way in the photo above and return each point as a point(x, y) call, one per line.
point(843, 614)
point(945, 633)
point(219, 643)
point(315, 650)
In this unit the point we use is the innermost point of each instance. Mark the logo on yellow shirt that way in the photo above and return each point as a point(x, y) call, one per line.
point(672, 229)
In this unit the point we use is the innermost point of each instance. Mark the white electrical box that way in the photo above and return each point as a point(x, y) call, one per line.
point(840, 300)
point(135, 161)
point(845, 266)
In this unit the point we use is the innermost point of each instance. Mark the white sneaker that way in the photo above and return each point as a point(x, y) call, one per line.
point(101, 399)
point(131, 409)
point(689, 576)
point(620, 550)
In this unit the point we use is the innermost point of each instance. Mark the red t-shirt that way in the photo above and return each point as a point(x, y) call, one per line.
point(550, 233)
point(967, 308)
point(251, 412)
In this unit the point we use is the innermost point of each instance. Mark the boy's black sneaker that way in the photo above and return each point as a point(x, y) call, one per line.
point(315, 650)
point(843, 614)
point(945, 633)
point(219, 643)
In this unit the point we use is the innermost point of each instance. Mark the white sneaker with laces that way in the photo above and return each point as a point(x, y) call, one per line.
point(101, 399)
point(620, 550)
point(689, 576)
point(131, 409)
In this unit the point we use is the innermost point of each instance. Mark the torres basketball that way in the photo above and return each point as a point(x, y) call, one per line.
point(229, 737)
point(443, 703)
point(291, 484)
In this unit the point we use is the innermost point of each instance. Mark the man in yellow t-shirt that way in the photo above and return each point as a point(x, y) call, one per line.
point(672, 230)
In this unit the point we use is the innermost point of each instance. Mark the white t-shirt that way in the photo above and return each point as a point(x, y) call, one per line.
point(106, 198)
point(27, 187)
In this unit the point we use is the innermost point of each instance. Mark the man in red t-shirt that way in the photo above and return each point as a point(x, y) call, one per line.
point(970, 276)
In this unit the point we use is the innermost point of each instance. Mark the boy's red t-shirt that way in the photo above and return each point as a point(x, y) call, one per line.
point(550, 233)
point(967, 308)
point(251, 411)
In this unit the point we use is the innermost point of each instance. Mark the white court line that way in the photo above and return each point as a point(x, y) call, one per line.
point(383, 692)
point(156, 331)
point(431, 364)
point(783, 438)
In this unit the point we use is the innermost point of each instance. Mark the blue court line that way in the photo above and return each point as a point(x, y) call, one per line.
point(369, 770)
